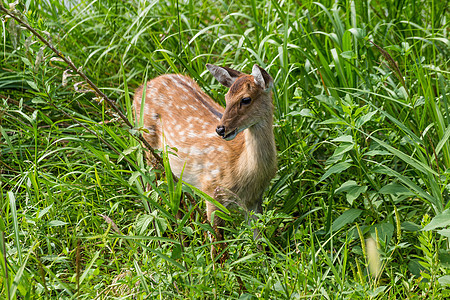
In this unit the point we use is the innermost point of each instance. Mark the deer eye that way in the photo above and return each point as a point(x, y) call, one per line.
point(246, 100)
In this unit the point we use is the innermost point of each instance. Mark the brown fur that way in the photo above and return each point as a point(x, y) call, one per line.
point(178, 113)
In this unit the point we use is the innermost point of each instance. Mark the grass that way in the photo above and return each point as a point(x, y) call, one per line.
point(361, 127)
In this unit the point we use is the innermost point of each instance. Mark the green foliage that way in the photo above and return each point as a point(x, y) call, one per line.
point(362, 131)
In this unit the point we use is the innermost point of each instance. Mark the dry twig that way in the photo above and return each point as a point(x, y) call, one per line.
point(98, 92)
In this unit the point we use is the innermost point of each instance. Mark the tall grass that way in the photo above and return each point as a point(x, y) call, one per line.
point(362, 132)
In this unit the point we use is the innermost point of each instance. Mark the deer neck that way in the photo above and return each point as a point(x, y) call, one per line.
point(258, 157)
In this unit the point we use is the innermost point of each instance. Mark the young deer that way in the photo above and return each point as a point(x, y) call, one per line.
point(179, 114)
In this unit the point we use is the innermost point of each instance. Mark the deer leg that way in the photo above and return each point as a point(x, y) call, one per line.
point(230, 200)
point(256, 234)
point(233, 203)
point(217, 224)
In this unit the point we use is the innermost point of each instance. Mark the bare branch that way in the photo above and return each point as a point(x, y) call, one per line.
point(79, 72)
point(99, 93)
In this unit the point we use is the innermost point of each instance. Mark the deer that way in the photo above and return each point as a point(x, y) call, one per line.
point(229, 153)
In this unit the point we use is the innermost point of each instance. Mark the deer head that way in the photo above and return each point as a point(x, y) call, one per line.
point(248, 101)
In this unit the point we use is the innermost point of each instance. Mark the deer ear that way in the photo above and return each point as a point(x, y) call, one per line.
point(262, 78)
point(224, 75)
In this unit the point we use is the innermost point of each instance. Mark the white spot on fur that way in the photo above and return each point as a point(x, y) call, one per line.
point(210, 135)
point(209, 149)
point(151, 91)
point(196, 151)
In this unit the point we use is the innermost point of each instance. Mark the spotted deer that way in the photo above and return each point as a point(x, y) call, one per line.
point(239, 156)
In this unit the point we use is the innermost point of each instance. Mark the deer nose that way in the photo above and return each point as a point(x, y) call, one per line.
point(220, 130)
